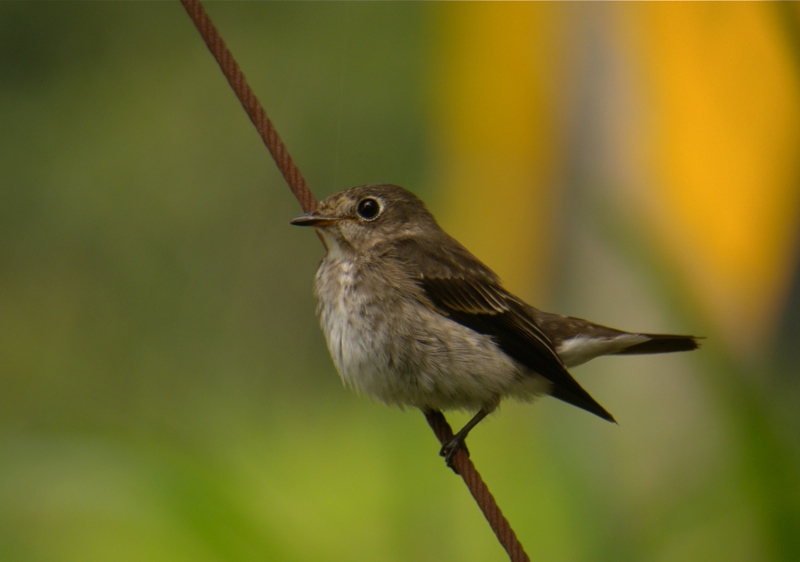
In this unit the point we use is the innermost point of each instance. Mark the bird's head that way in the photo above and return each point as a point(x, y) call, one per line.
point(358, 219)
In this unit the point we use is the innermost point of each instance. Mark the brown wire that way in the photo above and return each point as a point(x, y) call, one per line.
point(230, 68)
point(477, 487)
point(236, 78)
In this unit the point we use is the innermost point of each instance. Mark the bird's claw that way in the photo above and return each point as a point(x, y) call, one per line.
point(450, 448)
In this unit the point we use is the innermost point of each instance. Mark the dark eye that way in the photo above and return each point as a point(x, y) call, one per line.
point(368, 208)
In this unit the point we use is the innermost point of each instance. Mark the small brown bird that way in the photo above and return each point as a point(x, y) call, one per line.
point(412, 318)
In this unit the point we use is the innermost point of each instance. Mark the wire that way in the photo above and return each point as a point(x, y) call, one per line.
point(230, 68)
point(236, 78)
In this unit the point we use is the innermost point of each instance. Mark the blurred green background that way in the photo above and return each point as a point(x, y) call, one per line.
point(165, 392)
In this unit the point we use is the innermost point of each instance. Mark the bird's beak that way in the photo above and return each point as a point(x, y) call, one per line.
point(313, 219)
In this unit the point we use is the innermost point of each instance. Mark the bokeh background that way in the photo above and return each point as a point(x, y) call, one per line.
point(165, 392)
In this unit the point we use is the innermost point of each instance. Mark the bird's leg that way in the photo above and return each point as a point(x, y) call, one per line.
point(449, 449)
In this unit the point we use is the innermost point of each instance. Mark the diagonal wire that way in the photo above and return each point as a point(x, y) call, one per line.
point(463, 465)
point(230, 68)
point(236, 78)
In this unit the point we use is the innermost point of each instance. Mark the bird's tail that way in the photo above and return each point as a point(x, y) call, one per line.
point(661, 343)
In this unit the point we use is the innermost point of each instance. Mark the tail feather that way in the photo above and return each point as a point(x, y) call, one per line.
point(661, 343)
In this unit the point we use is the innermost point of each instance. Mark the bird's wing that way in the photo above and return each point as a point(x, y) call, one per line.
point(487, 308)
point(461, 287)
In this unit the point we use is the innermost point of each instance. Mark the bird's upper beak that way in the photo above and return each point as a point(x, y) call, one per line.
point(313, 219)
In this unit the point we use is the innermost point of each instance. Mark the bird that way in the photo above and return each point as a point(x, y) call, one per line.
point(413, 319)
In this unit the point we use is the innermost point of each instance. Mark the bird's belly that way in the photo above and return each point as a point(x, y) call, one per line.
point(401, 352)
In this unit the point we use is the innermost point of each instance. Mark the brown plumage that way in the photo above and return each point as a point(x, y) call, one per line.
point(413, 318)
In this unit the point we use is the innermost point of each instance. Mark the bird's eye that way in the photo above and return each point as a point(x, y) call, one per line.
point(368, 208)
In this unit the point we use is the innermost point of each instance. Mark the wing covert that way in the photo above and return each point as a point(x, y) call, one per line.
point(488, 309)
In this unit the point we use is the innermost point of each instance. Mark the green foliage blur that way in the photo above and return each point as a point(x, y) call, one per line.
point(165, 392)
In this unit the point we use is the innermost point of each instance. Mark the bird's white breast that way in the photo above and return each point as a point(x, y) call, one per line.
point(389, 345)
point(338, 297)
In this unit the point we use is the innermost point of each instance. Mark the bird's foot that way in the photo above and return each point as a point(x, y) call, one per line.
point(450, 448)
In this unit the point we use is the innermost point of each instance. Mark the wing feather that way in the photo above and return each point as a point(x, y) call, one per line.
point(489, 309)
point(462, 288)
